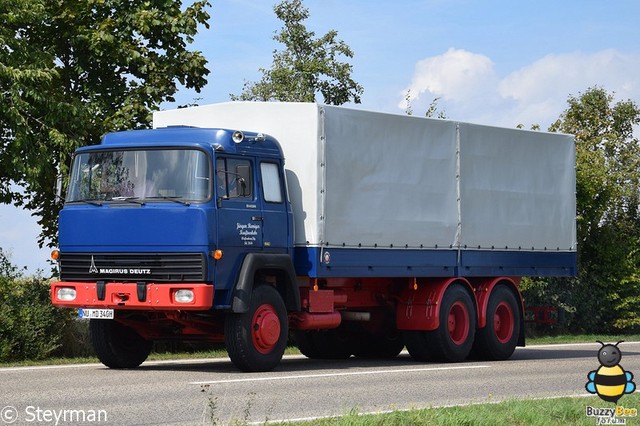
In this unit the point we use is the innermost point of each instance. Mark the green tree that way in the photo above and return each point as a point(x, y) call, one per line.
point(306, 66)
point(432, 112)
point(72, 70)
point(606, 294)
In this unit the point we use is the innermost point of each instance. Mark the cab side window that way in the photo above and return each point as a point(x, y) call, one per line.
point(271, 183)
point(233, 178)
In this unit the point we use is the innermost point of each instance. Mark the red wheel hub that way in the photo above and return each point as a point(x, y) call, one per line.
point(458, 323)
point(503, 322)
point(265, 331)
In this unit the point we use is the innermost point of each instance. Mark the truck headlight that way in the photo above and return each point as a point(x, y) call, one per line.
point(66, 294)
point(183, 296)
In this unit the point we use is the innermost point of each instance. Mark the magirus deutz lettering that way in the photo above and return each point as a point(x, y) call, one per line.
point(124, 271)
point(93, 269)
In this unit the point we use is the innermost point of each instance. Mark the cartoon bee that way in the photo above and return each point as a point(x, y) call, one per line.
point(610, 381)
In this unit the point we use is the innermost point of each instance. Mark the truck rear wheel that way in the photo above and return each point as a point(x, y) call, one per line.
point(256, 339)
point(117, 345)
point(453, 339)
point(498, 339)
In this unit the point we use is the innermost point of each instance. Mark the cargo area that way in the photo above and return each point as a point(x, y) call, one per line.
point(407, 193)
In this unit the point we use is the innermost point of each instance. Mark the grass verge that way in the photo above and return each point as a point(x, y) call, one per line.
point(582, 338)
point(537, 412)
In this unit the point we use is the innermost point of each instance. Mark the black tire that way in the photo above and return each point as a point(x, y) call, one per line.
point(306, 344)
point(324, 344)
point(498, 339)
point(418, 345)
point(256, 339)
point(117, 345)
point(453, 339)
point(378, 346)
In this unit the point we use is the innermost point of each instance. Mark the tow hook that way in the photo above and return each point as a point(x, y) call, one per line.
point(123, 298)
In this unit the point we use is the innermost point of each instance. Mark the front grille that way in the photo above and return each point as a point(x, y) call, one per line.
point(133, 267)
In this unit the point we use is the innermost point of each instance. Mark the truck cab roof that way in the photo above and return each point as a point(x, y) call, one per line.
point(219, 140)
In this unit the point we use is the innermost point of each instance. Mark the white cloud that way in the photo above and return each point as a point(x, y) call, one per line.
point(471, 90)
point(454, 76)
point(573, 71)
point(540, 90)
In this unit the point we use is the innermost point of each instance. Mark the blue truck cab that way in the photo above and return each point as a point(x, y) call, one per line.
point(172, 219)
point(159, 204)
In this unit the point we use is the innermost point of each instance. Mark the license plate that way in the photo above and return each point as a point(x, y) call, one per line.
point(95, 313)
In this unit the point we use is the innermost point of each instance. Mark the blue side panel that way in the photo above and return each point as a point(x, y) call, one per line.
point(347, 262)
point(490, 263)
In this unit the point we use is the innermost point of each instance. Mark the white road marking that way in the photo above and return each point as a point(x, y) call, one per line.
point(47, 367)
point(99, 365)
point(350, 373)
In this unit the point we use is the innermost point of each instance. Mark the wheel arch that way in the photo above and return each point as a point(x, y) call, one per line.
point(419, 307)
point(483, 291)
point(254, 265)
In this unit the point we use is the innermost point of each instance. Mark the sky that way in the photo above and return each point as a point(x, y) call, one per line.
point(499, 63)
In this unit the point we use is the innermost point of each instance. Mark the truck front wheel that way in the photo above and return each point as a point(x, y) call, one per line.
point(498, 339)
point(453, 339)
point(117, 345)
point(256, 339)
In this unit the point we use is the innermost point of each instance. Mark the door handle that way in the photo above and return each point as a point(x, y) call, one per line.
point(256, 218)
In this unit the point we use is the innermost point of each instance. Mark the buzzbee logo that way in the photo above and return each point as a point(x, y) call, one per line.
point(610, 381)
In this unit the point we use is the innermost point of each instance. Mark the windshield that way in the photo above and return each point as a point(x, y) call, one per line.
point(172, 174)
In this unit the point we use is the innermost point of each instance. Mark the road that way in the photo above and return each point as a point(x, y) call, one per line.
point(194, 392)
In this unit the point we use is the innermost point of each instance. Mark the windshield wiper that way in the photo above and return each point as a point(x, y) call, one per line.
point(174, 199)
point(128, 200)
point(92, 202)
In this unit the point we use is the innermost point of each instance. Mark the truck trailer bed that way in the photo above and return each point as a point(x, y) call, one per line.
point(377, 194)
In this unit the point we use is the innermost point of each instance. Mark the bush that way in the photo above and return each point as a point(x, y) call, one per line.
point(30, 326)
point(76, 341)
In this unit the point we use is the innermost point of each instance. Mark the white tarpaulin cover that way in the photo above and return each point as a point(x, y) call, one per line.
point(517, 188)
point(364, 179)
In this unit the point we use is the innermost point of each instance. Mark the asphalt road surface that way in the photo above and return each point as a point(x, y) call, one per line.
point(196, 392)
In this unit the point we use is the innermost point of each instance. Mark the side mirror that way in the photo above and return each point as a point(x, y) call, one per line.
point(58, 187)
point(244, 179)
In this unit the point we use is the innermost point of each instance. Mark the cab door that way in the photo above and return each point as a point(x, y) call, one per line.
point(239, 215)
